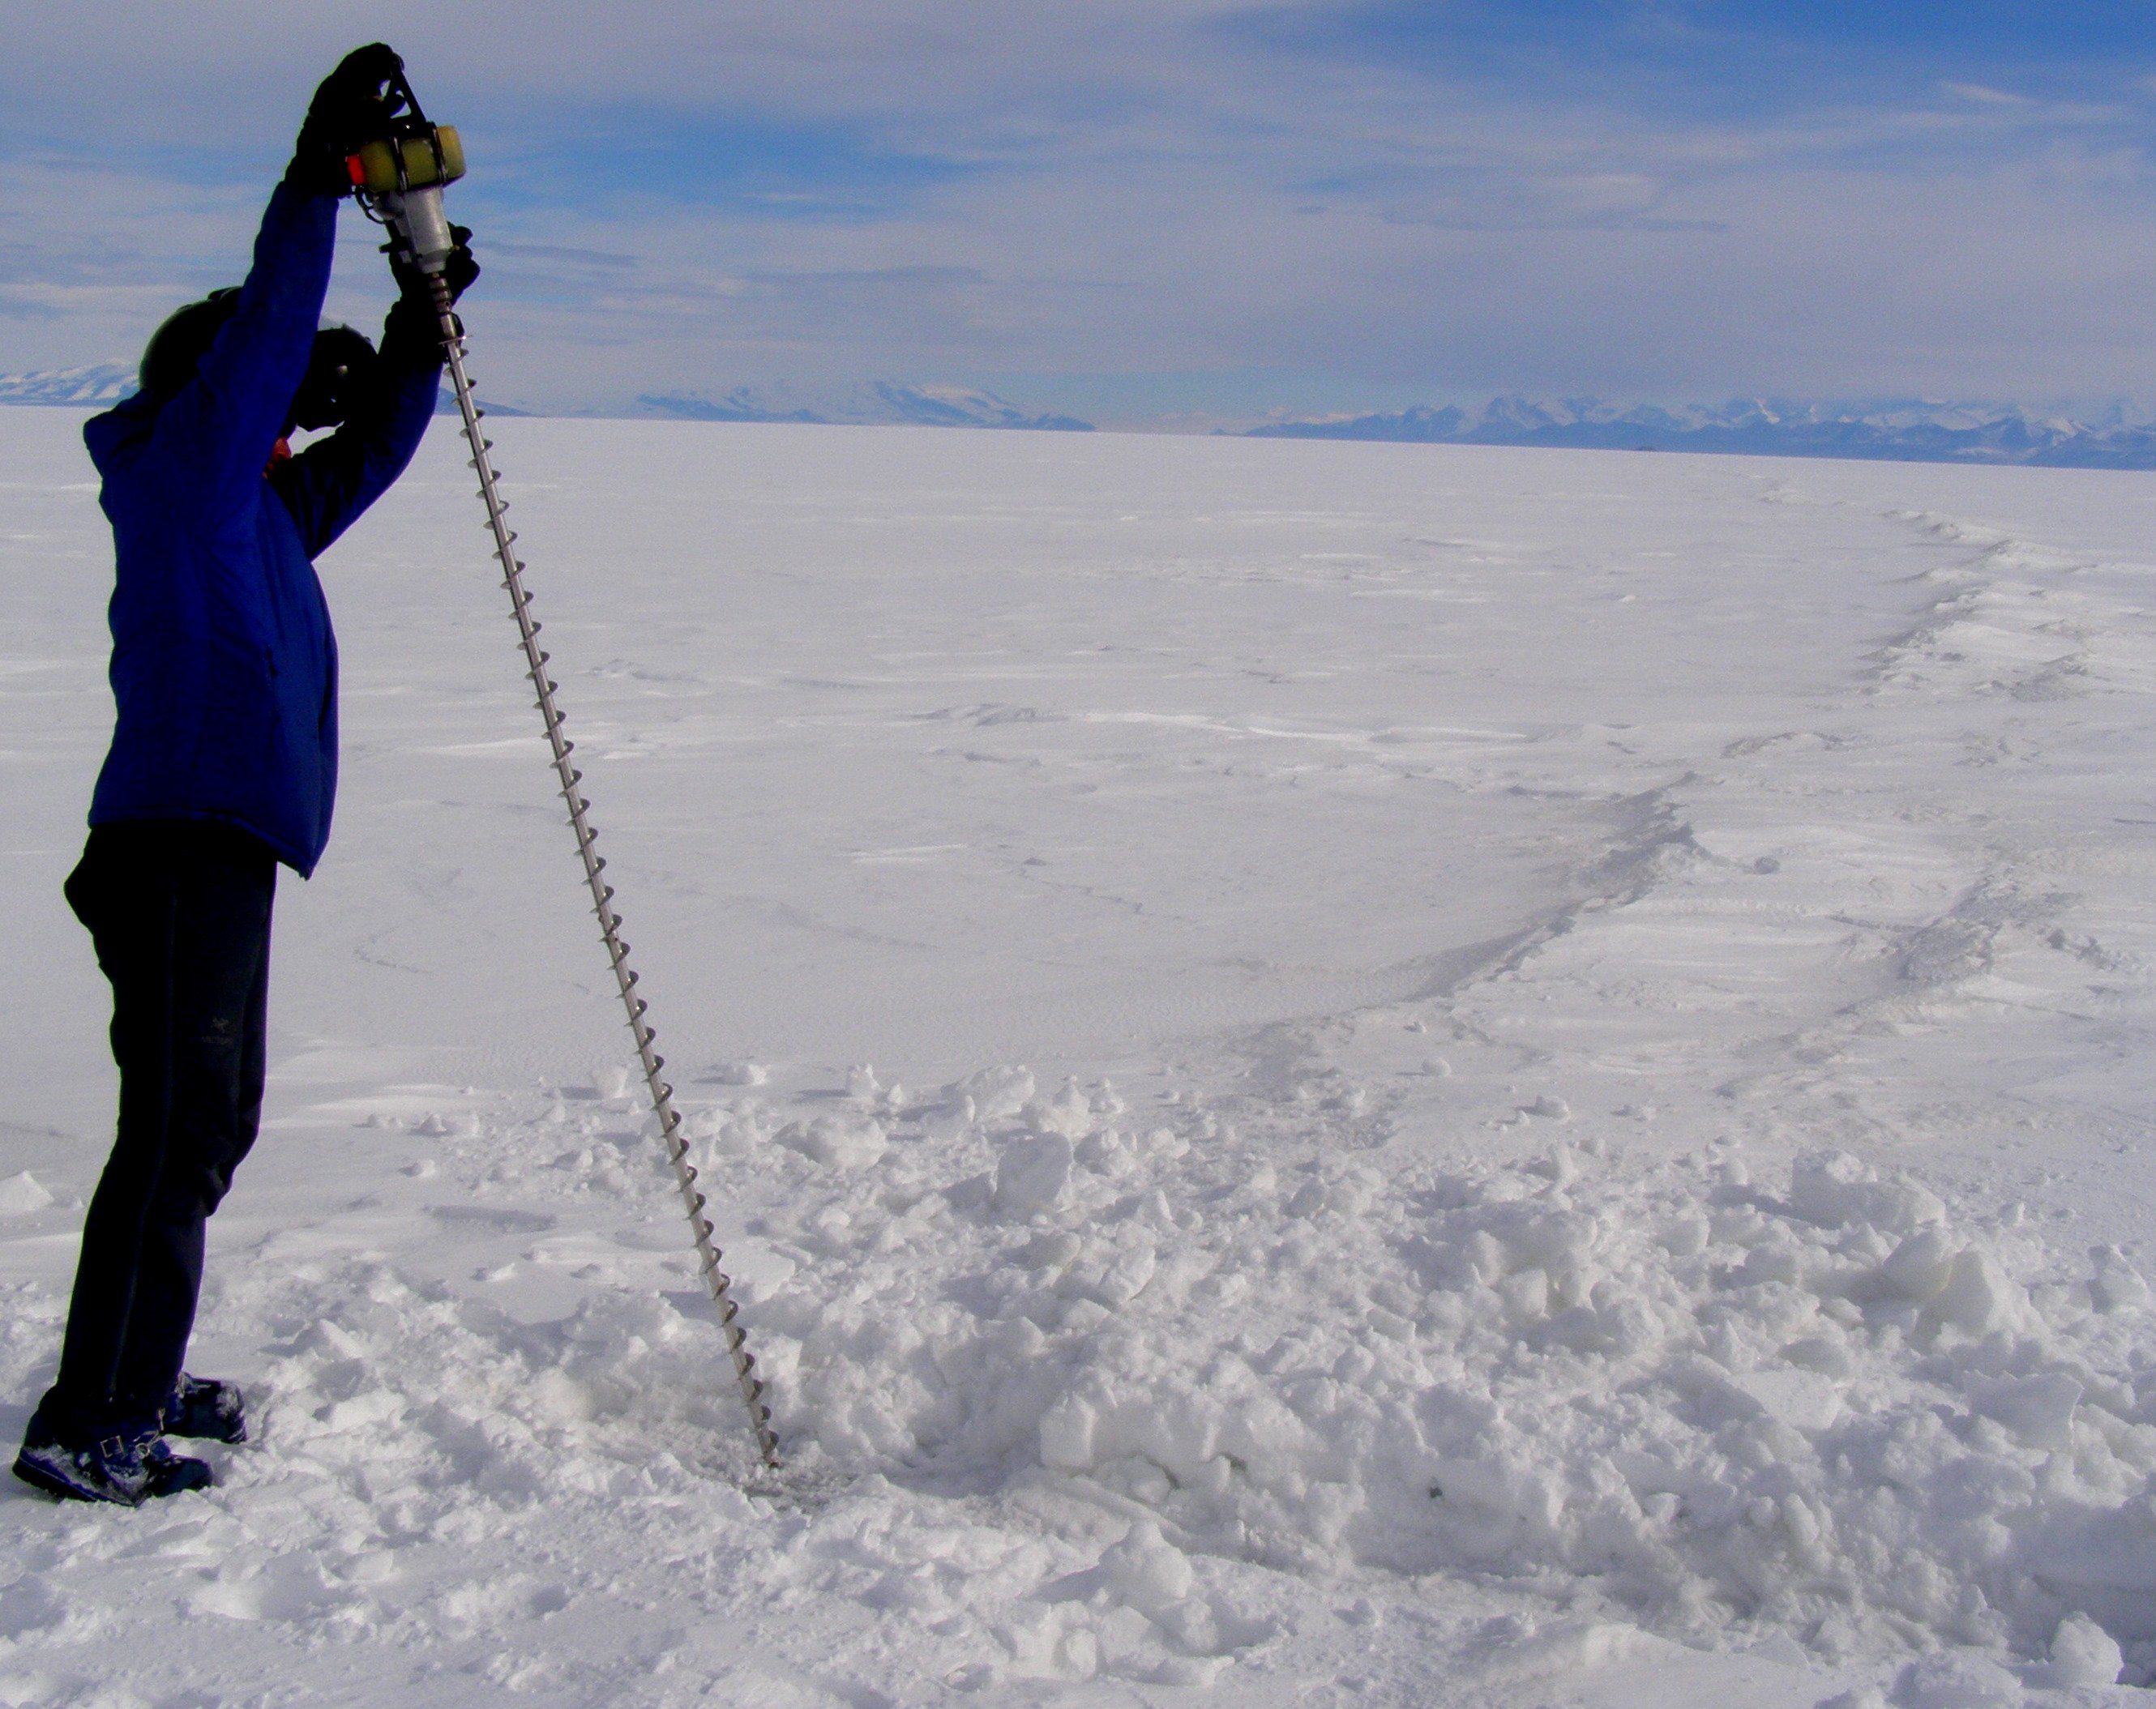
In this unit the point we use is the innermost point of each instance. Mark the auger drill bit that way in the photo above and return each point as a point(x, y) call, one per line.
point(594, 864)
point(400, 181)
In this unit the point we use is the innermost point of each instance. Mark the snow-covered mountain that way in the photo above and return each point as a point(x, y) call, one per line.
point(98, 383)
point(881, 403)
point(446, 404)
point(1915, 431)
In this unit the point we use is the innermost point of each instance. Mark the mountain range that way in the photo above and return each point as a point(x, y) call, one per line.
point(1901, 431)
point(881, 403)
point(96, 384)
point(1912, 431)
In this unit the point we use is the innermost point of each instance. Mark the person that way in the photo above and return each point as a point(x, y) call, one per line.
point(223, 766)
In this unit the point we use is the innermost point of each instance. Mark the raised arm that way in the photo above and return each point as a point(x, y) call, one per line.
point(327, 485)
point(217, 432)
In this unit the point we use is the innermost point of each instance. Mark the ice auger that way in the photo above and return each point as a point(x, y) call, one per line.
point(398, 178)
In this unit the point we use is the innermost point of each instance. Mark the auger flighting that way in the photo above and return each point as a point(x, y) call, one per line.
point(399, 179)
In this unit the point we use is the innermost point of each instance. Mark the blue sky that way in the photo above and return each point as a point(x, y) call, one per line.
point(1173, 212)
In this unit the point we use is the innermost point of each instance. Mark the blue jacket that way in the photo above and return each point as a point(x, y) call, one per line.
point(223, 664)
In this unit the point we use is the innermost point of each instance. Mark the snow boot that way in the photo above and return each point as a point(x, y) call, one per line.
point(131, 1466)
point(208, 1410)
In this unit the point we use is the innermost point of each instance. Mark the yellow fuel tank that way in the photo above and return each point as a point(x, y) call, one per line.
point(375, 169)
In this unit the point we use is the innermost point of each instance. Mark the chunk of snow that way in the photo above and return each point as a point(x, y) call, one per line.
point(1833, 1188)
point(845, 1141)
point(2084, 1653)
point(2039, 1409)
point(1804, 1400)
point(1307, 1199)
point(20, 1195)
point(1919, 1268)
point(1069, 1112)
point(1145, 1571)
point(1956, 1679)
point(1066, 1434)
point(996, 1093)
point(2117, 1284)
point(1117, 1279)
point(1033, 1173)
point(1979, 1297)
point(756, 1269)
point(1049, 1249)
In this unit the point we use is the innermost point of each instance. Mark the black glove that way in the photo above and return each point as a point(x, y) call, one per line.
point(413, 326)
point(350, 108)
point(459, 270)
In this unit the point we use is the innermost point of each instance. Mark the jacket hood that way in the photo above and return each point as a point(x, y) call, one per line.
point(124, 427)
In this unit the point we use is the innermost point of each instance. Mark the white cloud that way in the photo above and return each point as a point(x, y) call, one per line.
point(1135, 192)
point(1985, 96)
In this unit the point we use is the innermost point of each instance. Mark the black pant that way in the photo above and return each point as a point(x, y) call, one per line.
point(179, 912)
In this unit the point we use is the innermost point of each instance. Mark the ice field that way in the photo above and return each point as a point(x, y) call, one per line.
point(1334, 1074)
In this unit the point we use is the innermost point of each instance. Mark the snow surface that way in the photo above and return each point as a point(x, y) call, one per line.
point(1333, 1073)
